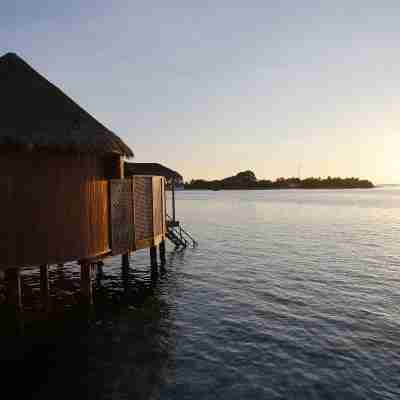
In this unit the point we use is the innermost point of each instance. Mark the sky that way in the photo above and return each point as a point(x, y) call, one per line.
point(211, 88)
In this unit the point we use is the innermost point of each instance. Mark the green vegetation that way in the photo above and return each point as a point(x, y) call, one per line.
point(248, 180)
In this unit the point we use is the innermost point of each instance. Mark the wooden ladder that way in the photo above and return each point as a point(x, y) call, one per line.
point(178, 235)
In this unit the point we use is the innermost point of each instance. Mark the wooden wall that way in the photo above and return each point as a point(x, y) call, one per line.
point(158, 206)
point(53, 208)
point(149, 210)
point(143, 207)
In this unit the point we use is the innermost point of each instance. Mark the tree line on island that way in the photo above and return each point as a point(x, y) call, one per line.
point(248, 180)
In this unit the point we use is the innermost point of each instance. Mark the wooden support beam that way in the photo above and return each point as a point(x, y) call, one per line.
point(44, 286)
point(125, 260)
point(153, 256)
point(14, 289)
point(125, 272)
point(86, 283)
point(161, 248)
point(93, 270)
point(173, 199)
point(100, 272)
point(154, 274)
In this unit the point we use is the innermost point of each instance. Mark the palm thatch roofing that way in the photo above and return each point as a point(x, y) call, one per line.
point(37, 115)
point(151, 169)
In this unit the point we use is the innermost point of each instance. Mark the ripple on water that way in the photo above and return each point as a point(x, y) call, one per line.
point(290, 295)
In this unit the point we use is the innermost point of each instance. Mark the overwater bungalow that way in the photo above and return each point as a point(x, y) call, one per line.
point(174, 230)
point(64, 196)
point(172, 178)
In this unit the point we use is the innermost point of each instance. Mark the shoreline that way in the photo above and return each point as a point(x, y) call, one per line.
point(283, 188)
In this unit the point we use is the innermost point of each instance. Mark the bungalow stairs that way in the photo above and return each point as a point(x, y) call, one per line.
point(177, 235)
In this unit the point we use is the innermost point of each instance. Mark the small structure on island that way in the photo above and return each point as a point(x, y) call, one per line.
point(64, 196)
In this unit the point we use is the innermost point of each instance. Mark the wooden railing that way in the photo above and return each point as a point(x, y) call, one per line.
point(177, 234)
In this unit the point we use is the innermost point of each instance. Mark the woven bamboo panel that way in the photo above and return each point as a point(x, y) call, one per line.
point(121, 216)
point(143, 207)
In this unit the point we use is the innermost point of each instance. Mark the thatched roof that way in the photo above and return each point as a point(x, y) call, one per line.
point(151, 169)
point(35, 114)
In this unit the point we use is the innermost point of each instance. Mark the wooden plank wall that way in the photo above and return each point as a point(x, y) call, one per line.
point(53, 208)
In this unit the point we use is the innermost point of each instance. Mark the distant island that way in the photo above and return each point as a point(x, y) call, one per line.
point(248, 181)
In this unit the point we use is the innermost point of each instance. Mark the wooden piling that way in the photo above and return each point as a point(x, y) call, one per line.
point(14, 289)
point(100, 272)
point(125, 260)
point(161, 248)
point(153, 256)
point(173, 199)
point(86, 283)
point(44, 286)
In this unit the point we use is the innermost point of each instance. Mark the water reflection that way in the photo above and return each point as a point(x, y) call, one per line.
point(119, 348)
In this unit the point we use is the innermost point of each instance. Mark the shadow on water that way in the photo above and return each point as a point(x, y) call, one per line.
point(118, 348)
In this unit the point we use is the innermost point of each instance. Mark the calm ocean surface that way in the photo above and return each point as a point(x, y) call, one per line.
point(290, 294)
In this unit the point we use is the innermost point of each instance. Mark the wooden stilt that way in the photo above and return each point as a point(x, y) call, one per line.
point(125, 272)
point(125, 260)
point(163, 259)
point(93, 269)
point(13, 288)
point(173, 198)
point(154, 274)
point(44, 286)
point(100, 272)
point(86, 284)
point(153, 256)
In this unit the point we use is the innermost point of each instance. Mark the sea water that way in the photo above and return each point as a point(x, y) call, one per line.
point(290, 294)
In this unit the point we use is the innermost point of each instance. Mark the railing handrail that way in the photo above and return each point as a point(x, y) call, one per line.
point(189, 236)
point(182, 230)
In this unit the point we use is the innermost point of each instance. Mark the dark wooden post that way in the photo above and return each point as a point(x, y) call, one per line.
point(86, 283)
point(173, 198)
point(93, 269)
point(13, 288)
point(125, 272)
point(125, 260)
point(153, 256)
point(44, 286)
point(100, 272)
point(163, 259)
